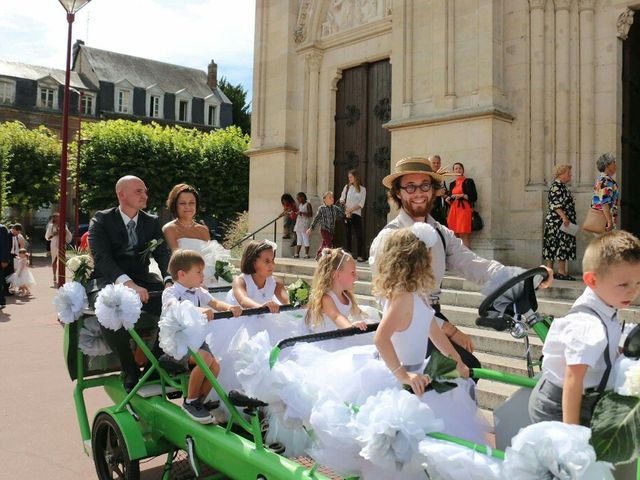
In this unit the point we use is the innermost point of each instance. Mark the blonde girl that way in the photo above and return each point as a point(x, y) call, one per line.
point(332, 301)
point(404, 280)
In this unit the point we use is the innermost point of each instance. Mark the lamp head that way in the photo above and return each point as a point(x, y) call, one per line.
point(72, 6)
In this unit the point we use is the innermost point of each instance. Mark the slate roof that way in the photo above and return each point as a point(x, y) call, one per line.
point(36, 72)
point(141, 72)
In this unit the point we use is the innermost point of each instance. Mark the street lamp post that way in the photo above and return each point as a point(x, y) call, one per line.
point(71, 7)
point(77, 186)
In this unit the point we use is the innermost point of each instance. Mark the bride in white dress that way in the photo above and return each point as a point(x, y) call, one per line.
point(184, 233)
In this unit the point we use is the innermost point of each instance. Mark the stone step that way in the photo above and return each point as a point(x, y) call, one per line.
point(511, 365)
point(492, 394)
point(501, 343)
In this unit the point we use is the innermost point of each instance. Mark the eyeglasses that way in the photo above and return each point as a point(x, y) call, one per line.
point(412, 188)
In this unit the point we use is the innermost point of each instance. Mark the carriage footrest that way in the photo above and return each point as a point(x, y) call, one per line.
point(155, 389)
point(310, 462)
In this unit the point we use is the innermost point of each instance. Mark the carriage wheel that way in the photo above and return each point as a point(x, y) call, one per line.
point(110, 451)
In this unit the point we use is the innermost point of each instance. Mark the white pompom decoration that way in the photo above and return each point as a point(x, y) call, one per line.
point(182, 327)
point(70, 300)
point(118, 306)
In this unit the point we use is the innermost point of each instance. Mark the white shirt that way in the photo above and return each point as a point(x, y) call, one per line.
point(579, 339)
point(15, 243)
point(353, 199)
point(178, 292)
point(124, 277)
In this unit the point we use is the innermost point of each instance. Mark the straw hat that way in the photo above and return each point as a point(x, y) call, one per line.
point(412, 165)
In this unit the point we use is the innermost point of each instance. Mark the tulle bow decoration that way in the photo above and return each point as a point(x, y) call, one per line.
point(554, 450)
point(450, 461)
point(118, 306)
point(70, 300)
point(92, 340)
point(425, 233)
point(182, 327)
point(273, 245)
point(390, 426)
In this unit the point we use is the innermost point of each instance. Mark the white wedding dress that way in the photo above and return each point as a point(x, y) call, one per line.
point(211, 251)
point(306, 377)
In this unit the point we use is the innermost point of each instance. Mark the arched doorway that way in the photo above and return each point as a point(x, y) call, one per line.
point(363, 105)
point(630, 161)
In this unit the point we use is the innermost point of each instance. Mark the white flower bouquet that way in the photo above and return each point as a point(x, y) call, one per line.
point(81, 267)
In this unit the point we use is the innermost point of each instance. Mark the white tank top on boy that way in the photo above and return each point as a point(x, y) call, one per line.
point(411, 344)
point(579, 339)
point(260, 295)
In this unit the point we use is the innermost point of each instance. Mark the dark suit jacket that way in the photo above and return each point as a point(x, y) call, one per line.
point(108, 241)
point(5, 244)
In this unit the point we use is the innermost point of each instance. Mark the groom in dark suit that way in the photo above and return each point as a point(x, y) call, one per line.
point(117, 238)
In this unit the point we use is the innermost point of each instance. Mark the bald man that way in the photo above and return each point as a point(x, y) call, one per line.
point(118, 237)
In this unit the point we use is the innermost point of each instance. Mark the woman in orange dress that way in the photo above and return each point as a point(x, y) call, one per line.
point(463, 196)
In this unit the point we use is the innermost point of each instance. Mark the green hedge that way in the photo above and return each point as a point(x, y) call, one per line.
point(213, 162)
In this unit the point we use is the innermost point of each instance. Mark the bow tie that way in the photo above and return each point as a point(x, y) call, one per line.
point(192, 291)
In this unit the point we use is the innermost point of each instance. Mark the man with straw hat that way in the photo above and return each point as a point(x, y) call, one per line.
point(411, 188)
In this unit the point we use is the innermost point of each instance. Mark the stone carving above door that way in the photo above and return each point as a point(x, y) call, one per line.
point(344, 15)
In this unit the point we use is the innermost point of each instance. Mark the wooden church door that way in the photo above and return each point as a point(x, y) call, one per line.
point(363, 105)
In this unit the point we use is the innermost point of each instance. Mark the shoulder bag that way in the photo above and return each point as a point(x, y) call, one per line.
point(595, 221)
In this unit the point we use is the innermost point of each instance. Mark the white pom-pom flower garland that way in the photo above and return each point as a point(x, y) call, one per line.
point(91, 340)
point(118, 306)
point(553, 450)
point(425, 233)
point(627, 377)
point(182, 327)
point(70, 300)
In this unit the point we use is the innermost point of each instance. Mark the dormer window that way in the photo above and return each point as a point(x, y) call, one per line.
point(48, 94)
point(7, 91)
point(211, 111)
point(155, 102)
point(123, 101)
point(88, 104)
point(183, 106)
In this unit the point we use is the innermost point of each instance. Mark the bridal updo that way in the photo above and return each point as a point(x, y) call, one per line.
point(174, 194)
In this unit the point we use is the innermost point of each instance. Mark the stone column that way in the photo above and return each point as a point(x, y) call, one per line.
point(536, 163)
point(584, 167)
point(259, 75)
point(312, 62)
point(562, 80)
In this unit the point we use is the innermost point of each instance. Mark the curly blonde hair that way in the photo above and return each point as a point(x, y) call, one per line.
point(331, 261)
point(404, 266)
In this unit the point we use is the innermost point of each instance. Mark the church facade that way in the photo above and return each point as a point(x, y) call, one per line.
point(507, 87)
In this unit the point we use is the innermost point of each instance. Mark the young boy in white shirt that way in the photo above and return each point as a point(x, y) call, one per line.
point(582, 346)
point(187, 270)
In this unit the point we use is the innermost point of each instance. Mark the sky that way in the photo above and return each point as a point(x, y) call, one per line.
point(183, 32)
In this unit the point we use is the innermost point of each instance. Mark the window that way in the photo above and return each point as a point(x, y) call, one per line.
point(124, 100)
point(182, 113)
point(211, 119)
point(47, 93)
point(7, 91)
point(154, 106)
point(46, 97)
point(87, 104)
point(183, 106)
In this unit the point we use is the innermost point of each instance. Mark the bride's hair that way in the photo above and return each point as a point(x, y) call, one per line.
point(172, 199)
point(403, 266)
point(331, 261)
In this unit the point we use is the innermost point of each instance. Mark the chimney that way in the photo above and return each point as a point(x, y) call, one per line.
point(76, 46)
point(212, 75)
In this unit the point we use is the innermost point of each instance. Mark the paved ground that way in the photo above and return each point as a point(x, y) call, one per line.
point(39, 434)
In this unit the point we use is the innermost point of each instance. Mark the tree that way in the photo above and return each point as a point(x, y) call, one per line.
point(212, 162)
point(238, 96)
point(30, 162)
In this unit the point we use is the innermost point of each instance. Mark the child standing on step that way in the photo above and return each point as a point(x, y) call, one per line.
point(187, 271)
point(582, 346)
point(305, 212)
point(332, 303)
point(326, 215)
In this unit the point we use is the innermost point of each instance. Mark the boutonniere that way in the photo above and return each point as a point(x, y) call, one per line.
point(151, 247)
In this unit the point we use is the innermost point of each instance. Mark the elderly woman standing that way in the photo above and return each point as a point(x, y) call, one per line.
point(558, 245)
point(606, 196)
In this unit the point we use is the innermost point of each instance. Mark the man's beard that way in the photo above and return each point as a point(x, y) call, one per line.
point(420, 212)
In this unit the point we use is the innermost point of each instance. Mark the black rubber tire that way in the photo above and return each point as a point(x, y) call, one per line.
point(110, 454)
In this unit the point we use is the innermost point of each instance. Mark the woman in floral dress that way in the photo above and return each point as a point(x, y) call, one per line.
point(558, 245)
point(606, 196)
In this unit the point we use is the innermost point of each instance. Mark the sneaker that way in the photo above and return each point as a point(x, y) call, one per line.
point(211, 405)
point(197, 412)
point(307, 256)
point(295, 255)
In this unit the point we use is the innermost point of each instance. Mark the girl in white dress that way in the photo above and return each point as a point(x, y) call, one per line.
point(303, 221)
point(21, 280)
point(183, 232)
point(332, 302)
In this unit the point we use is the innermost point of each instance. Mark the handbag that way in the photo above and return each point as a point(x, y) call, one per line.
point(477, 223)
point(595, 221)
